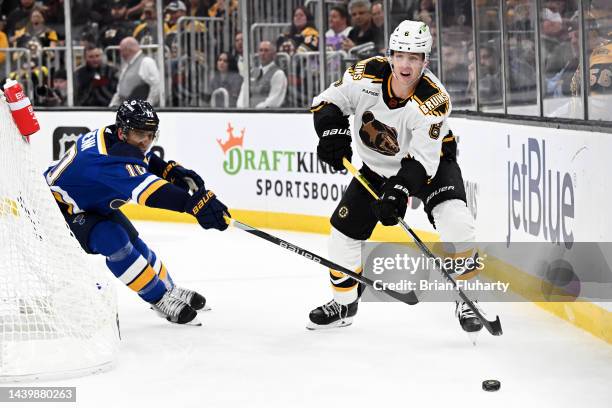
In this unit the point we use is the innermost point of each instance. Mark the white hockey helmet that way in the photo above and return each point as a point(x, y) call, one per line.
point(411, 36)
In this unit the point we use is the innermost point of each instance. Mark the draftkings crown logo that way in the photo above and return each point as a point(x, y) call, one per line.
point(232, 141)
point(233, 150)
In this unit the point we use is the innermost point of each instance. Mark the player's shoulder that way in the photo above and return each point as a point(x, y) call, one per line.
point(372, 69)
point(431, 97)
point(602, 55)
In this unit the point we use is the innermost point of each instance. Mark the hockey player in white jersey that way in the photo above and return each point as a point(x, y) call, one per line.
point(400, 113)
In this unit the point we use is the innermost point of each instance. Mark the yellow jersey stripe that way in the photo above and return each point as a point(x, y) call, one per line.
point(163, 273)
point(58, 197)
point(101, 141)
point(153, 187)
point(318, 107)
point(143, 279)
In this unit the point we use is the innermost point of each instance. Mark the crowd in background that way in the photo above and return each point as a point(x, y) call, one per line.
point(280, 76)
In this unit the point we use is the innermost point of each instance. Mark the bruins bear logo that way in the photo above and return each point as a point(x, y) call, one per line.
point(378, 136)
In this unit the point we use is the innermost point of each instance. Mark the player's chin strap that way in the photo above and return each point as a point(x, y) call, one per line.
point(494, 327)
point(408, 298)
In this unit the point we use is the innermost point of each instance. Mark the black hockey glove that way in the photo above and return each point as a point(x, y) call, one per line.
point(207, 209)
point(183, 178)
point(332, 149)
point(393, 202)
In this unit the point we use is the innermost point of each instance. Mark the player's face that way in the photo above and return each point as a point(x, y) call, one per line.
point(407, 67)
point(142, 139)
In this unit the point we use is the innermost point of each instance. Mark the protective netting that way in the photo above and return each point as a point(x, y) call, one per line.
point(58, 310)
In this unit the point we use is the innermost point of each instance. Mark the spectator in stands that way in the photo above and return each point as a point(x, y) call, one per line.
point(199, 8)
point(364, 30)
point(455, 74)
point(19, 17)
point(175, 10)
point(139, 77)
point(519, 15)
point(3, 43)
point(339, 28)
point(95, 82)
point(228, 11)
point(268, 82)
point(552, 25)
point(521, 67)
point(426, 13)
point(237, 56)
point(57, 94)
point(54, 12)
point(220, 8)
point(36, 28)
point(226, 76)
point(136, 8)
point(146, 32)
point(378, 15)
point(566, 82)
point(119, 26)
point(302, 36)
point(31, 70)
point(489, 81)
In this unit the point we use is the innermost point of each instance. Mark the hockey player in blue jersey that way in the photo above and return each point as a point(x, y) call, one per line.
point(112, 165)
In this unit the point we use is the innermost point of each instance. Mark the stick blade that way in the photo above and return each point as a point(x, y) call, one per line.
point(409, 298)
point(494, 327)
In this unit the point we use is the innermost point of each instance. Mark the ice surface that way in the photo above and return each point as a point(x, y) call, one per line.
point(253, 349)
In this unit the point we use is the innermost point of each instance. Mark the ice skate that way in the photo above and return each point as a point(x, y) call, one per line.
point(469, 322)
point(191, 297)
point(332, 314)
point(175, 310)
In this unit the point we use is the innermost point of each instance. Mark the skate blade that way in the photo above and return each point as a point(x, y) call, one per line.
point(195, 322)
point(340, 323)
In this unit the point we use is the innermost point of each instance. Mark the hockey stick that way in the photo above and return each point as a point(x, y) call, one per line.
point(493, 326)
point(408, 298)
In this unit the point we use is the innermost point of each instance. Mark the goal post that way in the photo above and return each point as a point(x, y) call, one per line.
point(58, 308)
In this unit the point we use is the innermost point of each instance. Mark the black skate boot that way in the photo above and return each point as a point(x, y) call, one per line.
point(467, 319)
point(175, 310)
point(332, 314)
point(191, 297)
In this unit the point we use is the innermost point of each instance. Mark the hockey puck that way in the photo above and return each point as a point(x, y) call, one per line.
point(491, 385)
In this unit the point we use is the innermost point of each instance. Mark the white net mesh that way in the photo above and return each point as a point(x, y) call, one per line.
point(58, 310)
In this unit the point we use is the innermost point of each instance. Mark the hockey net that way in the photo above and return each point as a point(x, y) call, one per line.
point(58, 313)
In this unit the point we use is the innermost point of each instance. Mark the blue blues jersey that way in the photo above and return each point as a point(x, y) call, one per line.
point(90, 178)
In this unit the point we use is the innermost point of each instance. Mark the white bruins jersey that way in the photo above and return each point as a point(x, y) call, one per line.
point(389, 128)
